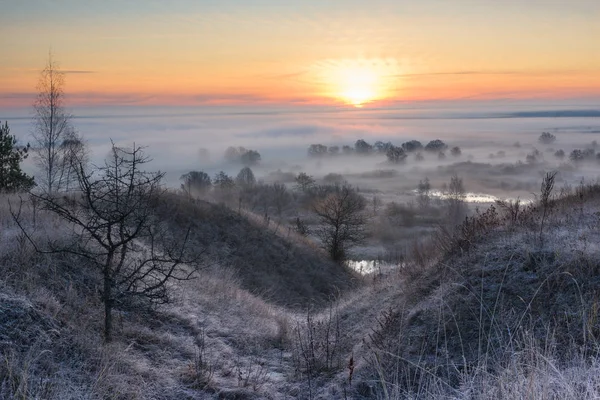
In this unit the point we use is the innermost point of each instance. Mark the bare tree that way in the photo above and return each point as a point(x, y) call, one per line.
point(455, 199)
point(281, 197)
point(51, 123)
point(342, 221)
point(423, 194)
point(73, 153)
point(116, 230)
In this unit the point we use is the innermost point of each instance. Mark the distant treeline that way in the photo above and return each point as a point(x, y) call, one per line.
point(395, 154)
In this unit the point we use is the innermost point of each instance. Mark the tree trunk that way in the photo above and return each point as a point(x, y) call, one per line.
point(107, 298)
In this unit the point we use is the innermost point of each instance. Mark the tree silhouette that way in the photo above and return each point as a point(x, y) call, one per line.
point(12, 179)
point(342, 221)
point(116, 230)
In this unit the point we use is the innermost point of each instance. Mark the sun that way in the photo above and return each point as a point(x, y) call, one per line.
point(358, 82)
point(358, 86)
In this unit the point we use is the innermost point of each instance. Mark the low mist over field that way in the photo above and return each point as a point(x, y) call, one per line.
point(495, 138)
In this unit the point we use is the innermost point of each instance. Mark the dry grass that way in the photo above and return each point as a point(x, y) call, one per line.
point(500, 316)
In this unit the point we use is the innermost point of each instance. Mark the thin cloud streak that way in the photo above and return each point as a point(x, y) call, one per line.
point(520, 73)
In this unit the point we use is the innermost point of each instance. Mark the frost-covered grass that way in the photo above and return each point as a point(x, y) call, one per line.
point(508, 316)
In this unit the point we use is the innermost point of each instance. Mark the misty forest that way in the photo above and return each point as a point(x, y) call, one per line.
point(235, 205)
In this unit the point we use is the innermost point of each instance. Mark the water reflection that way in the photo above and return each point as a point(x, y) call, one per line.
point(366, 267)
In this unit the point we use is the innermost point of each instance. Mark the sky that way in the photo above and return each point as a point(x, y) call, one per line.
point(336, 52)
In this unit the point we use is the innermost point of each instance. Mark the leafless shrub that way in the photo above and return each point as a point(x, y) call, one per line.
point(545, 199)
point(317, 345)
point(512, 210)
point(253, 374)
point(200, 370)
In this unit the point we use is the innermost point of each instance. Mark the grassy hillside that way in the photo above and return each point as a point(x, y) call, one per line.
point(500, 308)
point(510, 310)
point(272, 262)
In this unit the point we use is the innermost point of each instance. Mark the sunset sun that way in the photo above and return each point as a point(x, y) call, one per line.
point(358, 82)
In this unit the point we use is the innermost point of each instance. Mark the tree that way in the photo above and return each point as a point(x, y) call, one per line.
point(245, 178)
point(233, 154)
point(223, 181)
point(116, 230)
point(547, 138)
point(342, 221)
point(195, 182)
point(317, 150)
point(250, 157)
point(560, 154)
point(456, 151)
point(455, 199)
point(423, 194)
point(412, 145)
point(381, 147)
point(51, 122)
point(347, 150)
point(73, 152)
point(396, 154)
point(12, 179)
point(281, 198)
point(304, 182)
point(362, 147)
point(589, 153)
point(577, 156)
point(333, 150)
point(436, 146)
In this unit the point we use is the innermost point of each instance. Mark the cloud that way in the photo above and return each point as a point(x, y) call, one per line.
point(76, 71)
point(37, 70)
point(505, 72)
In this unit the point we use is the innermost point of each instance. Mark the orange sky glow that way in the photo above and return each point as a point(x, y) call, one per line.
point(206, 52)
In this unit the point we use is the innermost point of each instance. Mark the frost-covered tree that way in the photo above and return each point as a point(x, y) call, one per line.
point(304, 182)
point(51, 122)
point(116, 231)
point(342, 221)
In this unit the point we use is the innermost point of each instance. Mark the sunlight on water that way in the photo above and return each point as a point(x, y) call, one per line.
point(474, 197)
point(366, 267)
